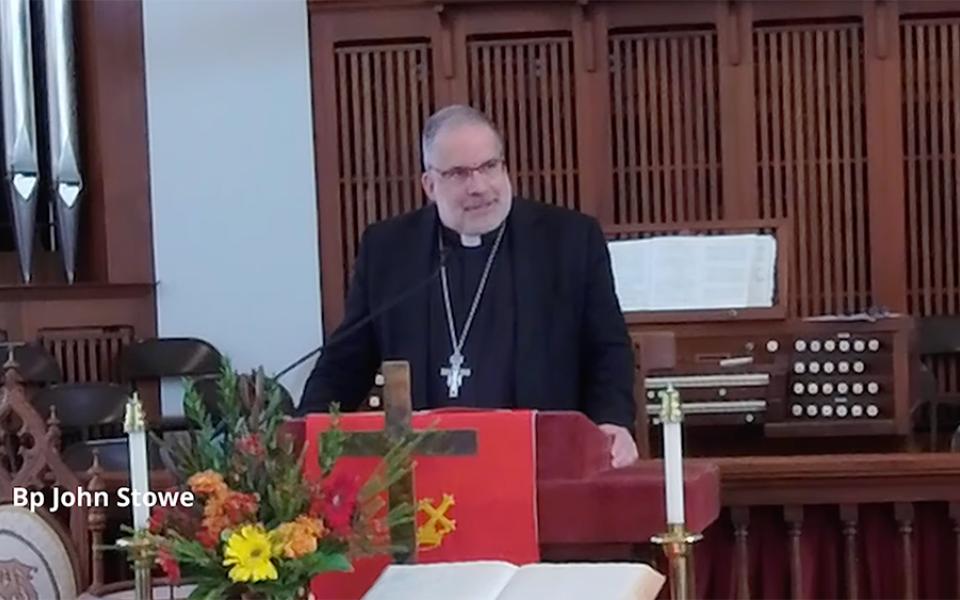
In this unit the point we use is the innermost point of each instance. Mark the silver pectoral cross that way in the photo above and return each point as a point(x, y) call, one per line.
point(455, 374)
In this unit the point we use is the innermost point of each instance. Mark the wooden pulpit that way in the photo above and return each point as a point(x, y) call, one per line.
point(584, 508)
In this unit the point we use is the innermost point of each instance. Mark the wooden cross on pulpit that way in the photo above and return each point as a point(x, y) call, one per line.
point(398, 409)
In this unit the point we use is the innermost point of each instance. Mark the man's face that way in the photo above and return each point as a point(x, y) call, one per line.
point(467, 178)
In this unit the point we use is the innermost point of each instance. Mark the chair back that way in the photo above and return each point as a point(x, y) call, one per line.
point(36, 365)
point(113, 453)
point(938, 338)
point(82, 405)
point(938, 335)
point(156, 358)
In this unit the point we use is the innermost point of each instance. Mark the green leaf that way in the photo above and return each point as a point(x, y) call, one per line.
point(322, 563)
point(212, 589)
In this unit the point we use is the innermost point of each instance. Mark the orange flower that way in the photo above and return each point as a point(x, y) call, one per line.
point(215, 525)
point(207, 482)
point(312, 526)
point(214, 506)
point(297, 538)
point(226, 509)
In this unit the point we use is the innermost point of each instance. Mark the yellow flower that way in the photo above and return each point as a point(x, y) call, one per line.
point(248, 552)
point(297, 538)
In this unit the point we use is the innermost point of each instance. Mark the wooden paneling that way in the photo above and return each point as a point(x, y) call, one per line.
point(117, 237)
point(666, 133)
point(526, 87)
point(722, 111)
point(384, 96)
point(812, 159)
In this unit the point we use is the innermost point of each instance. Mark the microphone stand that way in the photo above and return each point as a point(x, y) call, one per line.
point(350, 330)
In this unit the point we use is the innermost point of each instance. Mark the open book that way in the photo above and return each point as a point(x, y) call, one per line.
point(698, 272)
point(493, 580)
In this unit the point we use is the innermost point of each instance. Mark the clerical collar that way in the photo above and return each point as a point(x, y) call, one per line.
point(468, 241)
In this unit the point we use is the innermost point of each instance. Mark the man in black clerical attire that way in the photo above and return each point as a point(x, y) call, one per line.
point(523, 313)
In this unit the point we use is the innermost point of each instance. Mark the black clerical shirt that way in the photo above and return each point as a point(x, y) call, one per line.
point(490, 343)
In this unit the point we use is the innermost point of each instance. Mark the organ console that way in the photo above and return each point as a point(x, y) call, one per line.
point(769, 374)
point(803, 378)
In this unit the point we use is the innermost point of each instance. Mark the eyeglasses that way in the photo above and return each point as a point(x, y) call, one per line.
point(462, 174)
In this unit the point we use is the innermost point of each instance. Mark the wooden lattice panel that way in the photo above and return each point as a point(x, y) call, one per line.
point(384, 96)
point(87, 354)
point(666, 127)
point(526, 86)
point(931, 117)
point(812, 159)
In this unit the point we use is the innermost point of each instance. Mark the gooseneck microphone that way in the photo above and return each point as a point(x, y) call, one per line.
point(345, 333)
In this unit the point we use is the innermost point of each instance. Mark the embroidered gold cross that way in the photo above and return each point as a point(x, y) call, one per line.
point(438, 525)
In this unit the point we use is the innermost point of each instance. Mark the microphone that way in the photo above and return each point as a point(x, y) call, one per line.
point(444, 253)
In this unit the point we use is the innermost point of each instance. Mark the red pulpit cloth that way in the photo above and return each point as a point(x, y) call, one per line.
point(578, 506)
point(493, 491)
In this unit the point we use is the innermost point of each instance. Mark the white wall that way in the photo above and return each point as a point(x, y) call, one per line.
point(232, 179)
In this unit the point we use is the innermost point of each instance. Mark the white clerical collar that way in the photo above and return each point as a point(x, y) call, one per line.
point(470, 241)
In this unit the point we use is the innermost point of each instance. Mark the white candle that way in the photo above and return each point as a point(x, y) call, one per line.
point(139, 469)
point(671, 415)
point(673, 471)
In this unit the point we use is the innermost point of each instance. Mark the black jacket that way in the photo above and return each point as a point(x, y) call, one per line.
point(571, 339)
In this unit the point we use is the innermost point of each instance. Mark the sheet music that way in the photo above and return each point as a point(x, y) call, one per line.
point(695, 272)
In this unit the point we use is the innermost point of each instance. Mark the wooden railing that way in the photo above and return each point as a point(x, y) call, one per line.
point(840, 526)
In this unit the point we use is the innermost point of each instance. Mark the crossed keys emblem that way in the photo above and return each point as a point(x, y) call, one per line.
point(438, 525)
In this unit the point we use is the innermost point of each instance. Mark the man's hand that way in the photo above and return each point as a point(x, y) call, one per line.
point(623, 450)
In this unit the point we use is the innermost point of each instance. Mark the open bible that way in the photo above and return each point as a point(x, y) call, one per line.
point(494, 580)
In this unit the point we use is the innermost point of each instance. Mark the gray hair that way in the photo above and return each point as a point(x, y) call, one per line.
point(452, 116)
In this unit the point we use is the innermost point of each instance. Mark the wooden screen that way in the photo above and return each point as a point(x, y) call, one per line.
point(665, 127)
point(526, 87)
point(384, 95)
point(811, 156)
point(660, 113)
point(931, 116)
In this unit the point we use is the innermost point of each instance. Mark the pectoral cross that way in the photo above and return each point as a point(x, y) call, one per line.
point(455, 374)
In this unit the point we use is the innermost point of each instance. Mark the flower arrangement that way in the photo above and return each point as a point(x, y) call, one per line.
point(258, 529)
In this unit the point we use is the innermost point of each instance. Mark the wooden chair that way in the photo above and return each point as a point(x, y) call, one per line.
point(84, 410)
point(169, 357)
point(36, 365)
point(152, 360)
point(155, 359)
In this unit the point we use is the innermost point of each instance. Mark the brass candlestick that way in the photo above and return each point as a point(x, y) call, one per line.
point(677, 541)
point(142, 552)
point(677, 547)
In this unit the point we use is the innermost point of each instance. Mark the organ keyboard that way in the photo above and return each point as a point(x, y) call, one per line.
point(794, 377)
